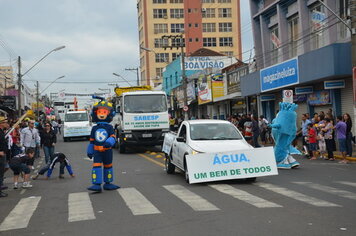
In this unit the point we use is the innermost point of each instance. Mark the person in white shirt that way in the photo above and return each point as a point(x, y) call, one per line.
point(30, 138)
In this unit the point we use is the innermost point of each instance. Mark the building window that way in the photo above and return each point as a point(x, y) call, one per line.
point(196, 39)
point(318, 23)
point(190, 40)
point(209, 27)
point(176, 1)
point(293, 31)
point(224, 1)
point(224, 12)
point(225, 42)
point(175, 55)
point(159, 72)
point(159, 1)
point(228, 53)
point(208, 1)
point(208, 12)
point(177, 28)
point(189, 25)
point(160, 43)
point(162, 57)
point(196, 25)
point(177, 42)
point(209, 42)
point(189, 10)
point(160, 28)
point(275, 43)
point(160, 13)
point(177, 13)
point(344, 13)
point(225, 27)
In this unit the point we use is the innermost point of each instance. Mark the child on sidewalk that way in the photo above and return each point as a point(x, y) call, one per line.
point(62, 159)
point(20, 164)
point(312, 141)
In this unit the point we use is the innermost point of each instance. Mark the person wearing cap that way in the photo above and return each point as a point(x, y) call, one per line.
point(3, 147)
point(64, 162)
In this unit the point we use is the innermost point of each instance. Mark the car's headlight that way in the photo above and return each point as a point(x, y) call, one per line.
point(195, 152)
point(128, 135)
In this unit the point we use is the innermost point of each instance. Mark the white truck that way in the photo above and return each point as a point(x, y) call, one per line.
point(211, 150)
point(143, 117)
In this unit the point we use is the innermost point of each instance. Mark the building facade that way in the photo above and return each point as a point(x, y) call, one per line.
point(213, 24)
point(6, 79)
point(301, 46)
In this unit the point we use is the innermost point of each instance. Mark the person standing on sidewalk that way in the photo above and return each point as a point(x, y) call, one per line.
point(312, 141)
point(341, 137)
point(305, 123)
point(348, 121)
point(329, 139)
point(255, 131)
point(3, 148)
point(48, 141)
point(30, 138)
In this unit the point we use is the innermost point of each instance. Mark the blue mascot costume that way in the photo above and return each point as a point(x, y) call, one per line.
point(102, 139)
point(284, 129)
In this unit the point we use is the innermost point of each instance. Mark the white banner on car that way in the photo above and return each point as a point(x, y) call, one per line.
point(206, 167)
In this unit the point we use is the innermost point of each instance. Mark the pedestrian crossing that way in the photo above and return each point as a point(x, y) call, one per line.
point(81, 207)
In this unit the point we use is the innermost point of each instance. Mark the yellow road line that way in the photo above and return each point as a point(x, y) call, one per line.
point(151, 160)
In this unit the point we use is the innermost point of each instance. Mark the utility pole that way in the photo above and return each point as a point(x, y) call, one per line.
point(184, 77)
point(137, 75)
point(19, 84)
point(37, 99)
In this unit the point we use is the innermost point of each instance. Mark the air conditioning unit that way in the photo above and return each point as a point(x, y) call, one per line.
point(165, 17)
point(203, 9)
point(231, 45)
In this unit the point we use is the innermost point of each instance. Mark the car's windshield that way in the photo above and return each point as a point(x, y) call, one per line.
point(74, 117)
point(214, 132)
point(145, 103)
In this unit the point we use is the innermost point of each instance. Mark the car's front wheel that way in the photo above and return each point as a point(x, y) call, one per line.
point(170, 168)
point(186, 173)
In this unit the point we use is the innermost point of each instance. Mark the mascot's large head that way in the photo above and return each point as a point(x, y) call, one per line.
point(102, 112)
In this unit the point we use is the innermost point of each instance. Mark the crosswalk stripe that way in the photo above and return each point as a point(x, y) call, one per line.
point(244, 196)
point(80, 207)
point(20, 216)
point(297, 196)
point(338, 192)
point(138, 204)
point(353, 184)
point(193, 200)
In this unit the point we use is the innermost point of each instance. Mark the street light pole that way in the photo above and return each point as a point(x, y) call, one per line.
point(136, 69)
point(19, 81)
point(122, 78)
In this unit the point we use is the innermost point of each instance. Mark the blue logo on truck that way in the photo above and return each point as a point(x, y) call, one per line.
point(144, 118)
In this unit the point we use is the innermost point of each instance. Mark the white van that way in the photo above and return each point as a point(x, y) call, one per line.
point(76, 124)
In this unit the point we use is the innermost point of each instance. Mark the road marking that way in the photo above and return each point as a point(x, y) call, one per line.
point(20, 216)
point(80, 207)
point(353, 184)
point(151, 160)
point(23, 191)
point(193, 200)
point(138, 204)
point(244, 196)
point(338, 192)
point(297, 196)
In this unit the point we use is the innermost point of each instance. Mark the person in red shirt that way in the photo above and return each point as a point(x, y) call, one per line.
point(312, 141)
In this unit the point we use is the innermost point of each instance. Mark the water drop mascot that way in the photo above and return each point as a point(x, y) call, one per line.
point(102, 139)
point(284, 129)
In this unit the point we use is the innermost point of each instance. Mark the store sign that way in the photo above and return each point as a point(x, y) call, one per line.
point(217, 84)
point(204, 90)
point(334, 84)
point(319, 98)
point(300, 98)
point(206, 167)
point(280, 75)
point(8, 101)
point(202, 63)
point(304, 90)
point(268, 97)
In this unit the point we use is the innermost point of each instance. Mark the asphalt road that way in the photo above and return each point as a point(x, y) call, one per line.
point(317, 199)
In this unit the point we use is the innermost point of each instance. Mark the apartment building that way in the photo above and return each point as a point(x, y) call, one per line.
point(212, 24)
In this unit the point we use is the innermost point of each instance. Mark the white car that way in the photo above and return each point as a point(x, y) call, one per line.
point(201, 136)
point(76, 124)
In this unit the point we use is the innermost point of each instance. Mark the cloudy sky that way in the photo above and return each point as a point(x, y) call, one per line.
point(100, 37)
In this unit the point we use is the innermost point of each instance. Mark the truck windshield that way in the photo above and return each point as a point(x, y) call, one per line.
point(145, 103)
point(74, 117)
point(214, 132)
